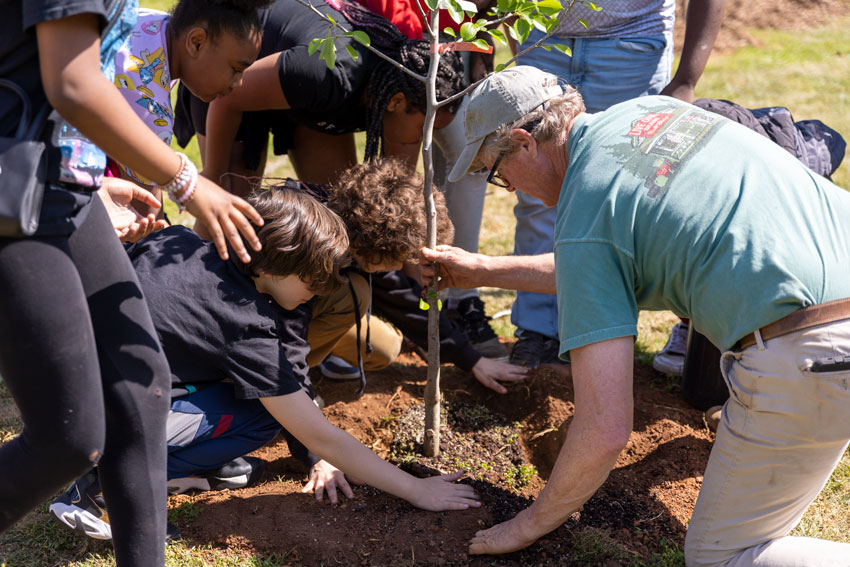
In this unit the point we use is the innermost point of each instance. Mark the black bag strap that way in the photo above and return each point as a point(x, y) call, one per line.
point(27, 130)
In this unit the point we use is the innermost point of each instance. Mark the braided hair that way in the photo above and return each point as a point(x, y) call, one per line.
point(387, 80)
point(239, 17)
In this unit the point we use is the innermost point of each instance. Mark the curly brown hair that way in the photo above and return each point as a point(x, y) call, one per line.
point(300, 236)
point(381, 203)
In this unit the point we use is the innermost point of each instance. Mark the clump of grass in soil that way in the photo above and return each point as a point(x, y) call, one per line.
point(484, 444)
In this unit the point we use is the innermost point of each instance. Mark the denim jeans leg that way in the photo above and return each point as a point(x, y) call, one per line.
point(464, 197)
point(211, 427)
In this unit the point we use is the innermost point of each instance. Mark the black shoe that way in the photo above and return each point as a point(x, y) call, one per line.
point(533, 349)
point(241, 472)
point(470, 317)
point(82, 508)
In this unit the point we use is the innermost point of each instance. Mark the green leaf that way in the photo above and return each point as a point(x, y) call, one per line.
point(450, 32)
point(594, 7)
point(352, 52)
point(565, 49)
point(329, 53)
point(545, 47)
point(454, 12)
point(582, 22)
point(507, 5)
point(498, 35)
point(467, 6)
point(432, 4)
point(522, 28)
point(541, 25)
point(360, 37)
point(423, 305)
point(552, 24)
point(481, 44)
point(468, 31)
point(500, 67)
point(314, 45)
point(549, 7)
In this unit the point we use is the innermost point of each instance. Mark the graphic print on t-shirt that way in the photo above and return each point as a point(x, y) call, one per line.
point(665, 137)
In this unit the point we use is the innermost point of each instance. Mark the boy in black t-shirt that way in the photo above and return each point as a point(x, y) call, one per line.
point(224, 328)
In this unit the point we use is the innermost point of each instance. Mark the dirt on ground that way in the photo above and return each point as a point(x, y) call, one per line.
point(501, 441)
point(742, 16)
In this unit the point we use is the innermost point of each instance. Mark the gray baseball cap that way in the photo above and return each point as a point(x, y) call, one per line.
point(502, 98)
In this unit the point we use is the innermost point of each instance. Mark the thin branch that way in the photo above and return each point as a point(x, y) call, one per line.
point(386, 58)
point(424, 18)
point(536, 44)
point(468, 89)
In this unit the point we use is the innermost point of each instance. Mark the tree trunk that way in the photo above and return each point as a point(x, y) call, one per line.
point(432, 388)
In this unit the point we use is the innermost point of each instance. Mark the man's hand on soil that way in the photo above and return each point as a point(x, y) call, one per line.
point(516, 533)
point(324, 477)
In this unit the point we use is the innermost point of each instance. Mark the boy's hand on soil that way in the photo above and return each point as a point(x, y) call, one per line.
point(491, 372)
point(324, 477)
point(225, 216)
point(516, 533)
point(439, 493)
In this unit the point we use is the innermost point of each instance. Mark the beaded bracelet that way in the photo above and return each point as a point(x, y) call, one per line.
point(181, 188)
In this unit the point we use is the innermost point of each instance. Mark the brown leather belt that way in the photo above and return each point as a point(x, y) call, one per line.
point(804, 318)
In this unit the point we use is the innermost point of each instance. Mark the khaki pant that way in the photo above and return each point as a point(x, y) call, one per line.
point(332, 329)
point(782, 432)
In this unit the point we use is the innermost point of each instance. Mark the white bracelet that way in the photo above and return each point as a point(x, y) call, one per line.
point(181, 188)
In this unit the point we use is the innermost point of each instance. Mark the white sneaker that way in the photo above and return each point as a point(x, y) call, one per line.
point(671, 359)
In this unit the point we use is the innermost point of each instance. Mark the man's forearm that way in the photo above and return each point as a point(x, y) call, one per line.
point(602, 378)
point(522, 273)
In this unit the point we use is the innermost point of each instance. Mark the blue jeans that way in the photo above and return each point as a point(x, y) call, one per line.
point(209, 428)
point(605, 72)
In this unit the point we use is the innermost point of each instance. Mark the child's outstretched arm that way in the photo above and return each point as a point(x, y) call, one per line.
point(69, 59)
point(306, 422)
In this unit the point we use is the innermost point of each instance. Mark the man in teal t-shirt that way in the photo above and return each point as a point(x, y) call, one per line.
point(662, 205)
point(672, 207)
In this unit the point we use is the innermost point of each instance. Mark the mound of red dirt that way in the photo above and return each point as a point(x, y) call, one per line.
point(741, 16)
point(643, 506)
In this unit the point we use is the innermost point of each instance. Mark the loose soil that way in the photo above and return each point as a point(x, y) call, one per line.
point(642, 508)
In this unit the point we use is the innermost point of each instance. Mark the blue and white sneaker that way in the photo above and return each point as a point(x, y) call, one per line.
point(82, 508)
point(671, 359)
point(335, 368)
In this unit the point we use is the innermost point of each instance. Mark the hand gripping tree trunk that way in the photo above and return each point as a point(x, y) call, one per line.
point(525, 15)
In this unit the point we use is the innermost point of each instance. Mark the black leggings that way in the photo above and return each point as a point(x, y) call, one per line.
point(79, 354)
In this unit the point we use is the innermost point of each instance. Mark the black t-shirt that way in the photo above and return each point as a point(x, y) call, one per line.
point(212, 322)
point(323, 99)
point(67, 194)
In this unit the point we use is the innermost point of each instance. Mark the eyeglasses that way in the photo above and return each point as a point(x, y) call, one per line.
point(494, 176)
